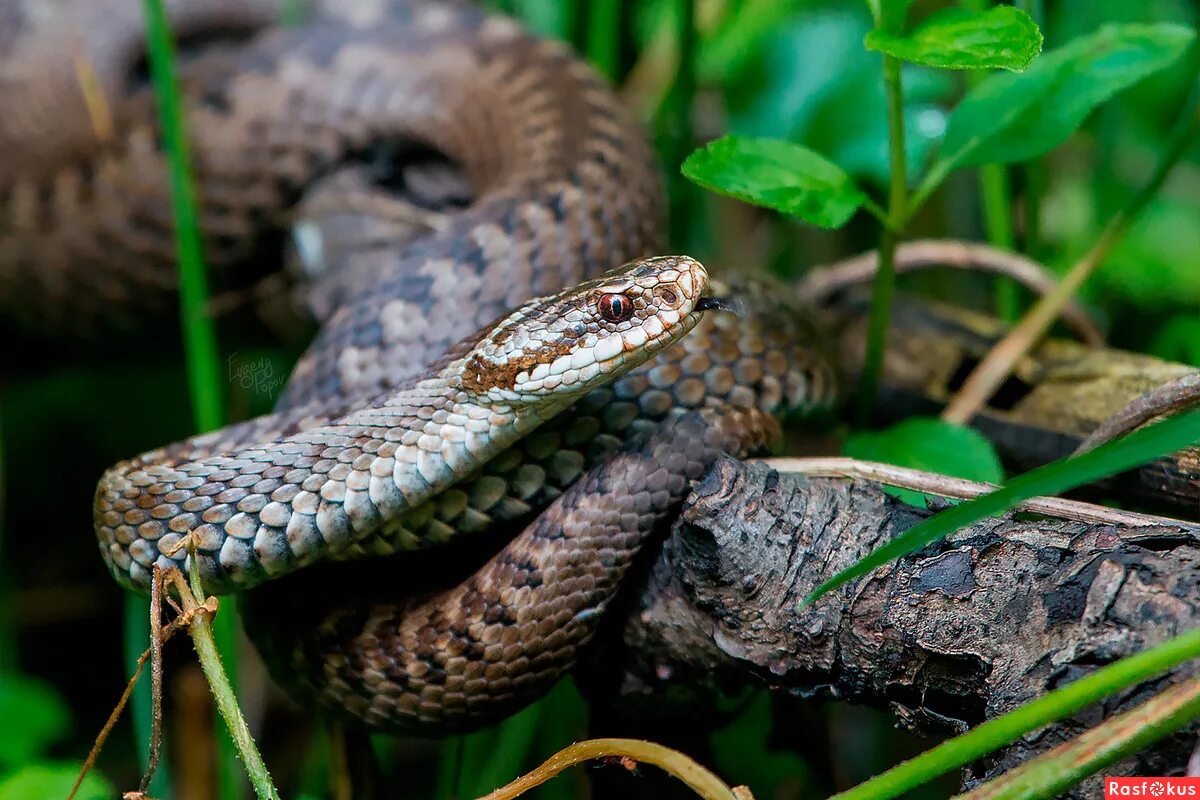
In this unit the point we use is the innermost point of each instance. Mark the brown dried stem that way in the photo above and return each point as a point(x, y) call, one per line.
point(823, 282)
point(631, 752)
point(982, 383)
point(962, 489)
point(1175, 396)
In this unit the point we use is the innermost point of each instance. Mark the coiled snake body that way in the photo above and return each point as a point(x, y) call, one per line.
point(380, 443)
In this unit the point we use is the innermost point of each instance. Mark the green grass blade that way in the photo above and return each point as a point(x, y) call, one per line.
point(1052, 479)
point(1052, 773)
point(604, 37)
point(199, 336)
point(8, 621)
point(996, 733)
point(674, 127)
point(200, 340)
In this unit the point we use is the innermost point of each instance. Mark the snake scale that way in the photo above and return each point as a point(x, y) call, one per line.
point(480, 365)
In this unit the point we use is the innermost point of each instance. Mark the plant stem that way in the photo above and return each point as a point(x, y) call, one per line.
point(1057, 770)
point(1033, 171)
point(136, 631)
point(885, 276)
point(200, 629)
point(8, 627)
point(998, 363)
point(199, 335)
point(675, 129)
point(604, 22)
point(704, 783)
point(997, 222)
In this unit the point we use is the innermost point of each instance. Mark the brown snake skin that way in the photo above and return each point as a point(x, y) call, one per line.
point(284, 127)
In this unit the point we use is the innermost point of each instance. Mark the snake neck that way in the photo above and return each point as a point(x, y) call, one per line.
point(265, 509)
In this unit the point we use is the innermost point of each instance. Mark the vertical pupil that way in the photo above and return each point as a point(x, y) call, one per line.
point(616, 308)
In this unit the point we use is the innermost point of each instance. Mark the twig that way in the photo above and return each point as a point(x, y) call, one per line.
point(166, 634)
point(998, 363)
point(1170, 397)
point(102, 737)
point(156, 678)
point(631, 752)
point(823, 282)
point(962, 489)
point(200, 629)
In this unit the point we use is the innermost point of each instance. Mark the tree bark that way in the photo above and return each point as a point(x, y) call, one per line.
point(962, 631)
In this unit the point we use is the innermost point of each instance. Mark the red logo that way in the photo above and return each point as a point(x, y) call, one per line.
point(1151, 788)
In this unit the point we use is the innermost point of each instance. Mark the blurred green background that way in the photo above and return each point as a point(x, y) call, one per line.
point(790, 69)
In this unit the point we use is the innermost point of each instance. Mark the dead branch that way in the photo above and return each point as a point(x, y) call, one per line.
point(962, 631)
point(822, 283)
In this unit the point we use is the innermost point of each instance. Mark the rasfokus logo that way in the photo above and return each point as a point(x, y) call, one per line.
point(1151, 788)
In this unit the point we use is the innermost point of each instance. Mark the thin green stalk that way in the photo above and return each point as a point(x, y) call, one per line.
point(675, 128)
point(199, 335)
point(580, 14)
point(8, 628)
point(995, 367)
point(231, 779)
point(1034, 190)
point(201, 631)
point(1033, 171)
point(996, 733)
point(604, 37)
point(1052, 773)
point(997, 222)
point(995, 197)
point(885, 275)
point(200, 340)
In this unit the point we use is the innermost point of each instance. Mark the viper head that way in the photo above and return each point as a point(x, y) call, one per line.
point(571, 342)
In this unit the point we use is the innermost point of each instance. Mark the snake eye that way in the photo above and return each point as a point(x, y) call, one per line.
point(616, 307)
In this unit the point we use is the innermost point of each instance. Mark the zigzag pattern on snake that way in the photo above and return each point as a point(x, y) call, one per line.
point(285, 124)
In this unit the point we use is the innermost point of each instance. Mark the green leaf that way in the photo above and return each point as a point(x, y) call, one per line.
point(43, 715)
point(53, 779)
point(777, 174)
point(1018, 117)
point(996, 733)
point(1059, 476)
point(1002, 37)
point(929, 444)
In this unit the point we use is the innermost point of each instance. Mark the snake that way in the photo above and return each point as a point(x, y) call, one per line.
point(476, 217)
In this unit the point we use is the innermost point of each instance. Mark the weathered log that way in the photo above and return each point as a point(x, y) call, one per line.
point(962, 631)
